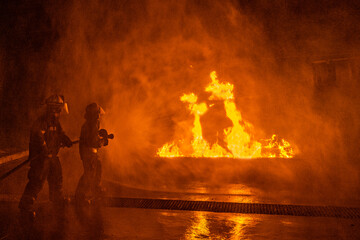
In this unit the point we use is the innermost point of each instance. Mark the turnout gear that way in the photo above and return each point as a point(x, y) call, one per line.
point(46, 138)
point(91, 139)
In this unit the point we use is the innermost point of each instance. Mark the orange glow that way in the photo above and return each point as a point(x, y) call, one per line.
point(240, 143)
point(200, 228)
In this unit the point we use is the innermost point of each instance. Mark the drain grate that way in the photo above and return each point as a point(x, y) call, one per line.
point(230, 207)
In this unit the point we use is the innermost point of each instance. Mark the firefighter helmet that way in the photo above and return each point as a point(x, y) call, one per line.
point(93, 111)
point(56, 103)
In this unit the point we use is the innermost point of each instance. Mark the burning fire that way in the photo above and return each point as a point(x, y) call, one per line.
point(240, 144)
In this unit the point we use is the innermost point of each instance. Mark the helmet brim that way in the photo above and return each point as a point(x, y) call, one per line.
point(101, 111)
point(65, 108)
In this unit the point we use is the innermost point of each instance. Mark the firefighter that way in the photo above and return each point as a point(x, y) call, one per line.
point(91, 139)
point(46, 138)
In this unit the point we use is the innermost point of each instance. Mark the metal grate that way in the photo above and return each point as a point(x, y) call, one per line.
point(231, 207)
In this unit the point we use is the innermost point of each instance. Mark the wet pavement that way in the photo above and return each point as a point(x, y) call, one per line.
point(103, 222)
point(96, 222)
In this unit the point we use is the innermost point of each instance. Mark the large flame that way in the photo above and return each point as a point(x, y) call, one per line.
point(240, 144)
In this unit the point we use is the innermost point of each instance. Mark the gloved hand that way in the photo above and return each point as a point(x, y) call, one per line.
point(67, 141)
point(103, 133)
point(104, 136)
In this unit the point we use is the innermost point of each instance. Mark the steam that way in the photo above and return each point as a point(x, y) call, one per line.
point(136, 58)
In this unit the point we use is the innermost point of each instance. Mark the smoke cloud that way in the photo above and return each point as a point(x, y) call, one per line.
point(137, 58)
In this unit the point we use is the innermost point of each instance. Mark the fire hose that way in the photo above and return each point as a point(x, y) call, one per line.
point(5, 175)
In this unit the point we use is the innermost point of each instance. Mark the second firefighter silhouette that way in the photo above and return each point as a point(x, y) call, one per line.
point(91, 139)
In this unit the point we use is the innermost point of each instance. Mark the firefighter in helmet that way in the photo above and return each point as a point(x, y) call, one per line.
point(91, 139)
point(46, 138)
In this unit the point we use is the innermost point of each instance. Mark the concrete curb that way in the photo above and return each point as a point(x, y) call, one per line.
point(14, 156)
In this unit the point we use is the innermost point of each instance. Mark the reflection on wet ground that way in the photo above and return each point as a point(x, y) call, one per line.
point(194, 192)
point(152, 224)
point(94, 222)
point(206, 226)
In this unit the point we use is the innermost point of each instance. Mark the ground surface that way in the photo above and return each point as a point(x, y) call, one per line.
point(100, 222)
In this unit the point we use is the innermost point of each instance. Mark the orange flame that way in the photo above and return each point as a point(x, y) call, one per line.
point(240, 143)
